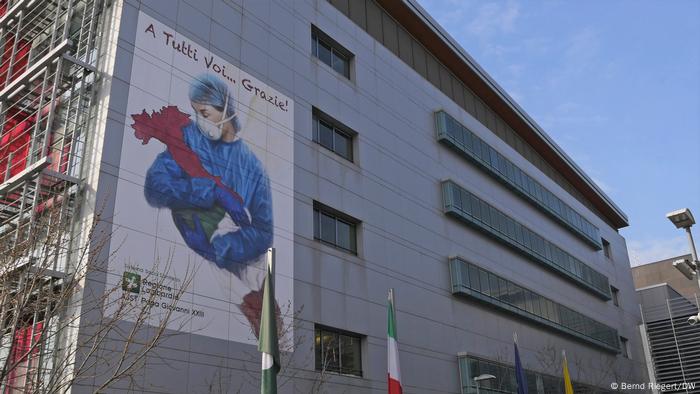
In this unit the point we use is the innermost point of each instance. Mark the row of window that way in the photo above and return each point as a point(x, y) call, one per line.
point(340, 351)
point(475, 211)
point(505, 381)
point(468, 278)
point(457, 136)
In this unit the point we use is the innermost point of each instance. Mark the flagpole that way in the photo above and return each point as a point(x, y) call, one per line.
point(568, 387)
point(268, 343)
point(394, 370)
point(520, 377)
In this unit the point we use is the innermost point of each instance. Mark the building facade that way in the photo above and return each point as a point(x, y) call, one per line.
point(359, 141)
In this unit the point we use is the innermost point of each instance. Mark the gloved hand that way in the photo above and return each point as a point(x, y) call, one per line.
point(235, 209)
point(196, 238)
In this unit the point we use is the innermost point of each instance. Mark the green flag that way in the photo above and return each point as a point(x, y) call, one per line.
point(268, 332)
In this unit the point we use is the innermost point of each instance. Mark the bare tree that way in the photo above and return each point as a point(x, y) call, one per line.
point(56, 327)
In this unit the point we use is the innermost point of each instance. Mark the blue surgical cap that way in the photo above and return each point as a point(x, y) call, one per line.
point(211, 90)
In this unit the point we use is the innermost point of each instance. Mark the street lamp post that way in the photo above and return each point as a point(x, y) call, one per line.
point(479, 378)
point(684, 219)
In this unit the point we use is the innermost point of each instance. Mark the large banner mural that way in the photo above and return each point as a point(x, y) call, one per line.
point(205, 187)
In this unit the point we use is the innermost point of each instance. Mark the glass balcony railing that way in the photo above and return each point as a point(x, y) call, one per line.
point(476, 282)
point(456, 136)
point(474, 211)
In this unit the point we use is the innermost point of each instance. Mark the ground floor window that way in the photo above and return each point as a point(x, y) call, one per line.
point(338, 351)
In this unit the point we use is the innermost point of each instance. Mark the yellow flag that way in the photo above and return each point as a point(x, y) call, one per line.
point(568, 388)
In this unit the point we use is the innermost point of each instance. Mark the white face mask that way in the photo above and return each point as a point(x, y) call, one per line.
point(213, 130)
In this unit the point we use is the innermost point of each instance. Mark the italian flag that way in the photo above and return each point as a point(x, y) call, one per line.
point(393, 350)
point(268, 332)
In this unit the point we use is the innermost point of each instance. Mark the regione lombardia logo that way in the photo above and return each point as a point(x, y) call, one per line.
point(131, 282)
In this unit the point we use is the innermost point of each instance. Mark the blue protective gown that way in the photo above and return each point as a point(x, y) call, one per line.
point(167, 185)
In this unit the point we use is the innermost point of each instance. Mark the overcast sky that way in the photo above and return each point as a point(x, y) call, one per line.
point(615, 83)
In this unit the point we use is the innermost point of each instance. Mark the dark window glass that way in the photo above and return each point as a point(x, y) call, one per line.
point(350, 355)
point(484, 152)
point(464, 274)
point(528, 301)
point(503, 288)
point(327, 351)
point(606, 248)
point(468, 140)
point(460, 135)
point(335, 230)
point(317, 225)
point(510, 171)
point(615, 295)
point(467, 203)
point(493, 284)
point(324, 52)
point(510, 225)
point(325, 135)
point(512, 293)
point(474, 277)
point(536, 304)
point(493, 218)
point(345, 234)
point(343, 145)
point(493, 158)
point(330, 53)
point(520, 297)
point(526, 238)
point(484, 279)
point(457, 197)
point(337, 351)
point(327, 228)
point(331, 135)
point(340, 64)
point(485, 213)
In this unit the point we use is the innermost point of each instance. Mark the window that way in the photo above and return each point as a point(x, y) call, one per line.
point(624, 347)
point(454, 134)
point(330, 52)
point(332, 135)
point(335, 228)
point(615, 295)
point(486, 218)
point(513, 298)
point(606, 248)
point(338, 351)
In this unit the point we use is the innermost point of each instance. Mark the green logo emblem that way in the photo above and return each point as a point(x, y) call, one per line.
point(131, 282)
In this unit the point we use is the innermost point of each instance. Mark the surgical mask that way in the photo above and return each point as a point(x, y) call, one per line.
point(213, 130)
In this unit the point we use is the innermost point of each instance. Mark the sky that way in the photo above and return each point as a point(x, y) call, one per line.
point(616, 84)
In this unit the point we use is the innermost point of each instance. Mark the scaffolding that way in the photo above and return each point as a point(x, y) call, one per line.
point(48, 79)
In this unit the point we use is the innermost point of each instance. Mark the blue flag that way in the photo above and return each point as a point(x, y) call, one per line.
point(519, 372)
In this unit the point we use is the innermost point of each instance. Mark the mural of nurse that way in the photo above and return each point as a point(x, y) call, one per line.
point(215, 186)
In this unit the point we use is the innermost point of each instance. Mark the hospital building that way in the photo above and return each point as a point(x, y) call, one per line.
point(152, 151)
